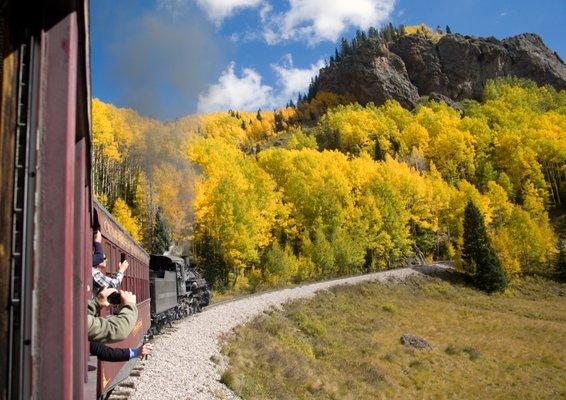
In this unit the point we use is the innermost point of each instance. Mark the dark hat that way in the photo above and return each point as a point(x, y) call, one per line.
point(98, 256)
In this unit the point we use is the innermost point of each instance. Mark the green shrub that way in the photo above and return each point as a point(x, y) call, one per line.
point(228, 378)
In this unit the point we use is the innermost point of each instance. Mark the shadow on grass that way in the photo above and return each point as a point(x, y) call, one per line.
point(447, 274)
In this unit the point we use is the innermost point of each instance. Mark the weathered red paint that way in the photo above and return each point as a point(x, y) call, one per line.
point(53, 347)
point(136, 280)
point(118, 236)
point(82, 239)
point(108, 371)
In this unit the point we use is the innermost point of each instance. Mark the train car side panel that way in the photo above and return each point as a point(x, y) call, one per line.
point(111, 374)
point(136, 279)
point(54, 276)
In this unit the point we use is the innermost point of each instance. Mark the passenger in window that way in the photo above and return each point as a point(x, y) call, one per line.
point(117, 327)
point(100, 279)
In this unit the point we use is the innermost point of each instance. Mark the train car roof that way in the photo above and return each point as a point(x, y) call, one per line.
point(110, 228)
point(160, 259)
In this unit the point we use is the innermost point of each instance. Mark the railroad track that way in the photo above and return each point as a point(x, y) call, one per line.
point(188, 347)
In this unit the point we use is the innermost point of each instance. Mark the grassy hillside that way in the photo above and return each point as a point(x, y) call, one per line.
point(345, 344)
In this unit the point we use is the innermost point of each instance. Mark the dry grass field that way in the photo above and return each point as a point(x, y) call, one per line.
point(345, 344)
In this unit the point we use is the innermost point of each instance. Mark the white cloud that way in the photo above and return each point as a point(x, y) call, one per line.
point(247, 92)
point(217, 10)
point(311, 20)
point(295, 80)
point(320, 20)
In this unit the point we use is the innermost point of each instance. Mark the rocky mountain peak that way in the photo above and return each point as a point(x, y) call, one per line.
point(453, 68)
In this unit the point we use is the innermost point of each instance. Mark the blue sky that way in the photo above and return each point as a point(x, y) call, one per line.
point(170, 58)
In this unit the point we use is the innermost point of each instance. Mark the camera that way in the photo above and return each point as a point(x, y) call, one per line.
point(115, 298)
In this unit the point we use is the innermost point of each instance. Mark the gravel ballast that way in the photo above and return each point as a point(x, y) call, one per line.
point(181, 367)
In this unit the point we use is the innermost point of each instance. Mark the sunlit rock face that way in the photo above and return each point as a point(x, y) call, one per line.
point(454, 68)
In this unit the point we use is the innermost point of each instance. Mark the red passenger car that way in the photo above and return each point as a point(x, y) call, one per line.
point(46, 206)
point(115, 241)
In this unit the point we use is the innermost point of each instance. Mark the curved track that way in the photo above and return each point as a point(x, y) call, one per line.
point(181, 366)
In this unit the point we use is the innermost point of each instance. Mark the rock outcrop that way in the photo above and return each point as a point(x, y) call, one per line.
point(454, 68)
point(415, 341)
point(373, 73)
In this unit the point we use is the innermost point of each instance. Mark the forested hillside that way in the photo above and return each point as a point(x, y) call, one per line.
point(267, 198)
point(138, 164)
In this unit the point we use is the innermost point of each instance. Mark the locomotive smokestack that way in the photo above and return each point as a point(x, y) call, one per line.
point(185, 257)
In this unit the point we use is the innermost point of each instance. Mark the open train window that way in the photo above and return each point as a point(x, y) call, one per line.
point(95, 220)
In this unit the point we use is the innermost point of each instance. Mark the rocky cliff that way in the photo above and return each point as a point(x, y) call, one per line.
point(454, 68)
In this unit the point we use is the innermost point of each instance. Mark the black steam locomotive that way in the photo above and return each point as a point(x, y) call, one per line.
point(176, 290)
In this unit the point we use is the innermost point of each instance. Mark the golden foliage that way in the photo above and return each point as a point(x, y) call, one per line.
point(364, 189)
point(423, 30)
point(123, 215)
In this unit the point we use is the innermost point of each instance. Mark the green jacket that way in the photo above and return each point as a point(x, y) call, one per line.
point(111, 329)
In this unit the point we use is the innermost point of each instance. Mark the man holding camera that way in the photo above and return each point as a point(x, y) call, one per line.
point(100, 279)
point(116, 327)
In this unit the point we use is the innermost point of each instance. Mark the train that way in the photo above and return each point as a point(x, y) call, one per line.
point(166, 288)
point(48, 215)
point(177, 290)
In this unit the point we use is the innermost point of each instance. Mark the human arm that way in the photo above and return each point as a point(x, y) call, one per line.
point(123, 266)
point(93, 306)
point(98, 255)
point(116, 327)
point(106, 353)
point(106, 281)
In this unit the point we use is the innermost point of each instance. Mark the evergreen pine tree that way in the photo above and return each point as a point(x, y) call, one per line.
point(243, 125)
point(392, 32)
point(258, 115)
point(161, 239)
point(311, 91)
point(479, 255)
point(345, 49)
point(448, 30)
point(279, 122)
point(372, 33)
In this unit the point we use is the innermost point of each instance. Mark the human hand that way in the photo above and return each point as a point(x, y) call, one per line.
point(102, 296)
point(128, 297)
point(123, 266)
point(145, 349)
point(98, 237)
